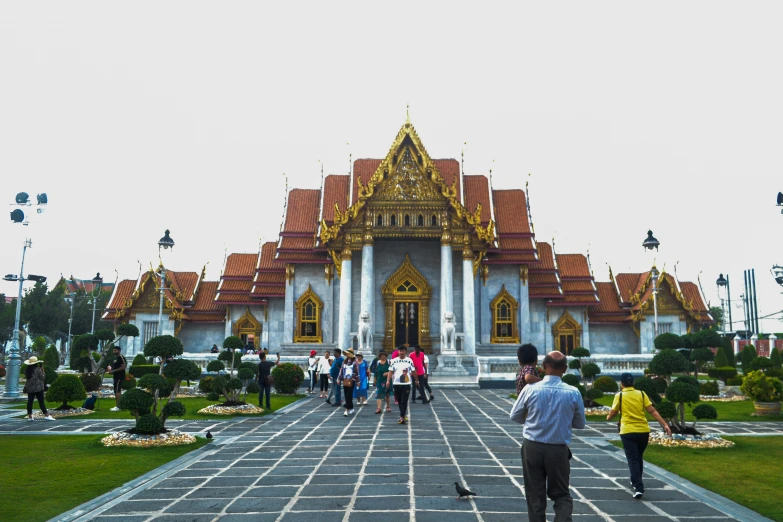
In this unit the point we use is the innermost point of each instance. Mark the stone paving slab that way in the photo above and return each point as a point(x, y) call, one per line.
point(315, 464)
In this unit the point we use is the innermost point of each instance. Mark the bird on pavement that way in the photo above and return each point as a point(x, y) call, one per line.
point(209, 435)
point(463, 492)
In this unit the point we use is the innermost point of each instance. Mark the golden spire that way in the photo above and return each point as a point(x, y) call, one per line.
point(408, 114)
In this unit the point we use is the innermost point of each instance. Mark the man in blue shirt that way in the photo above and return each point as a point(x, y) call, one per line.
point(334, 371)
point(548, 410)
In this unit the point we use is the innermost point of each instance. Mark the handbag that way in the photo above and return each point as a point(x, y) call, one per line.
point(349, 381)
point(269, 380)
point(620, 411)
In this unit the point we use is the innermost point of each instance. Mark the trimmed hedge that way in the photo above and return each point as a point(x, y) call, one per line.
point(288, 377)
point(91, 381)
point(140, 370)
point(709, 388)
point(734, 381)
point(66, 388)
point(606, 384)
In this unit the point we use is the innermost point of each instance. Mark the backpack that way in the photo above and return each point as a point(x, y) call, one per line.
point(89, 404)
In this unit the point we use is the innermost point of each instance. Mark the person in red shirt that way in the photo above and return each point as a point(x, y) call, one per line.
point(418, 362)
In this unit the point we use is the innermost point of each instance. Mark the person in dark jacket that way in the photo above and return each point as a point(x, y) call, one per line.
point(264, 380)
point(35, 386)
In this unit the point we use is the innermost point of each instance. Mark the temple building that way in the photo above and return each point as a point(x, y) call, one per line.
point(403, 241)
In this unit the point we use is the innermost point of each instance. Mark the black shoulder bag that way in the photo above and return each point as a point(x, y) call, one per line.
point(620, 412)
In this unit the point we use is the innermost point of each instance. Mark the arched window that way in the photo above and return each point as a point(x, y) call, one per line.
point(380, 220)
point(407, 220)
point(421, 220)
point(504, 318)
point(308, 315)
point(434, 221)
point(567, 333)
point(393, 220)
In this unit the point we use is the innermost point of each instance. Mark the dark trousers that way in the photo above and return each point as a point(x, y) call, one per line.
point(312, 380)
point(634, 445)
point(348, 397)
point(401, 395)
point(546, 470)
point(31, 397)
point(335, 392)
point(324, 382)
point(265, 389)
point(422, 385)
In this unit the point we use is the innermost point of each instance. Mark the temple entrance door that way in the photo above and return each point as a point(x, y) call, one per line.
point(407, 323)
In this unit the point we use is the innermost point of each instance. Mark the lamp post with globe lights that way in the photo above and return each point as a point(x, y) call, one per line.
point(95, 293)
point(651, 243)
point(165, 243)
point(724, 294)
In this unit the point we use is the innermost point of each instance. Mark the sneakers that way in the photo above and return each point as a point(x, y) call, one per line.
point(115, 409)
point(337, 404)
point(401, 421)
point(30, 419)
point(328, 401)
point(351, 412)
point(345, 413)
point(638, 494)
point(48, 417)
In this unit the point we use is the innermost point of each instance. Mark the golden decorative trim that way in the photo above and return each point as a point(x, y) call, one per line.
point(485, 273)
point(477, 262)
point(523, 274)
point(248, 324)
point(329, 273)
point(309, 295)
point(502, 296)
point(337, 260)
point(567, 325)
point(423, 294)
point(290, 270)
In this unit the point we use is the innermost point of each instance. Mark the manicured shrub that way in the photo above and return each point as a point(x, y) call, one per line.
point(205, 384)
point(39, 346)
point(226, 356)
point(647, 385)
point(51, 375)
point(747, 355)
point(64, 389)
point(724, 373)
point(594, 394)
point(774, 372)
point(148, 424)
point(728, 349)
point(91, 381)
point(734, 381)
point(667, 409)
point(590, 370)
point(693, 381)
point(229, 388)
point(172, 409)
point(699, 356)
point(140, 370)
point(660, 384)
point(760, 363)
point(129, 382)
point(682, 392)
point(574, 364)
point(232, 342)
point(216, 366)
point(288, 377)
point(704, 412)
point(580, 352)
point(153, 382)
point(571, 379)
point(127, 330)
point(761, 388)
point(137, 401)
point(181, 370)
point(667, 341)
point(707, 338)
point(774, 356)
point(253, 387)
point(140, 360)
point(213, 396)
point(667, 362)
point(52, 358)
point(709, 388)
point(606, 384)
point(720, 358)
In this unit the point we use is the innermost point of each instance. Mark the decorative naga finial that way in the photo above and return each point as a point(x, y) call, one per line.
point(408, 113)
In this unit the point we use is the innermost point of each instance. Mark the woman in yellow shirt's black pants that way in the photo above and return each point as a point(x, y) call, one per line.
point(634, 430)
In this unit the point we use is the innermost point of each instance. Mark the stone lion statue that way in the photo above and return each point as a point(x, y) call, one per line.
point(365, 331)
point(448, 333)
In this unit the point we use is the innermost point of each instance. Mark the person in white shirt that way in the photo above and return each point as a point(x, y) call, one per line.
point(323, 366)
point(402, 374)
point(312, 369)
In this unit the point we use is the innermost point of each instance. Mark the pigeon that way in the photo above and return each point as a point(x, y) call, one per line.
point(463, 492)
point(209, 435)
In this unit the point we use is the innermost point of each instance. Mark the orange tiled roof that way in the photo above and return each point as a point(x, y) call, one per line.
point(315, 257)
point(269, 291)
point(336, 190)
point(576, 299)
point(570, 286)
point(543, 278)
point(297, 243)
point(449, 171)
point(267, 261)
point(121, 294)
point(184, 282)
point(230, 285)
point(511, 258)
point(363, 169)
point(627, 284)
point(545, 256)
point(516, 243)
point(511, 212)
point(545, 291)
point(477, 191)
point(205, 298)
point(233, 298)
point(304, 206)
point(208, 318)
point(573, 265)
point(240, 265)
point(609, 302)
point(269, 277)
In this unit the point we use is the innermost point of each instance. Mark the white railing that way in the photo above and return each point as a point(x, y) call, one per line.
point(499, 368)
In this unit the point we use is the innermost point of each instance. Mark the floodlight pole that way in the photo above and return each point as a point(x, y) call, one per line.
point(14, 362)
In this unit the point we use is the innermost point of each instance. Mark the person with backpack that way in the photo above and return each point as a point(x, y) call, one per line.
point(265, 380)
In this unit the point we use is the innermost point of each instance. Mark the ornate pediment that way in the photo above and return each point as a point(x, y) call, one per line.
point(407, 183)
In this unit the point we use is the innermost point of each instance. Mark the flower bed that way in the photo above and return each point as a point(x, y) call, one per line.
point(691, 441)
point(245, 409)
point(170, 438)
point(723, 397)
point(59, 414)
point(600, 410)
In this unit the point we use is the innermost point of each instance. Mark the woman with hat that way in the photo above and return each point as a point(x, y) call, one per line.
point(348, 379)
point(634, 430)
point(364, 380)
point(35, 386)
point(381, 389)
point(312, 367)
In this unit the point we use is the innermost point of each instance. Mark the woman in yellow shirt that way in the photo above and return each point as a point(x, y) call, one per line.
point(634, 430)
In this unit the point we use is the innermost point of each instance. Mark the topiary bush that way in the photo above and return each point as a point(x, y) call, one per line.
point(720, 358)
point(216, 366)
point(91, 381)
point(253, 387)
point(129, 382)
point(590, 370)
point(667, 362)
point(140, 360)
point(774, 372)
point(51, 358)
point(667, 410)
point(734, 381)
point(760, 363)
point(660, 384)
point(700, 356)
point(747, 355)
point(571, 379)
point(704, 412)
point(724, 373)
point(709, 388)
point(171, 409)
point(667, 341)
point(693, 381)
point(64, 389)
point(213, 396)
point(163, 346)
point(761, 388)
point(205, 384)
point(606, 384)
point(140, 370)
point(181, 370)
point(137, 401)
point(288, 377)
point(591, 396)
point(51, 375)
point(148, 424)
point(682, 392)
point(774, 356)
point(647, 385)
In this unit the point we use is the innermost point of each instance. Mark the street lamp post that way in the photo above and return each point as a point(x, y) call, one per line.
point(70, 299)
point(165, 243)
point(14, 362)
point(649, 243)
point(97, 282)
point(724, 294)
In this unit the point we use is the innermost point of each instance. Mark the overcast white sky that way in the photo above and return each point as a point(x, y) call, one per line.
point(137, 117)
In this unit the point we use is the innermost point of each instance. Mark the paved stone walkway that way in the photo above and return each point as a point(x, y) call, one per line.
point(312, 463)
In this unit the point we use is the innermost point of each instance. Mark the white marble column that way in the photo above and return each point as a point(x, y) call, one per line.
point(344, 331)
point(468, 303)
point(289, 313)
point(446, 280)
point(368, 283)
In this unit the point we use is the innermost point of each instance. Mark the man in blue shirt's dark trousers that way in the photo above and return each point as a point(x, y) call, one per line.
point(334, 371)
point(548, 410)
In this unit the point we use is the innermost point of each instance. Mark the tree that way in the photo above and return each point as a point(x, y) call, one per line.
point(666, 341)
point(590, 370)
point(7, 316)
point(760, 363)
point(721, 360)
point(717, 313)
point(774, 356)
point(165, 347)
point(181, 370)
point(682, 392)
point(747, 355)
point(231, 343)
point(647, 385)
point(576, 363)
point(124, 330)
point(667, 362)
point(51, 358)
point(81, 352)
point(707, 338)
point(699, 356)
point(704, 412)
point(728, 349)
point(39, 346)
point(64, 389)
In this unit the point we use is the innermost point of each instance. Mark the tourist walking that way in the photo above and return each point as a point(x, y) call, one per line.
point(35, 386)
point(360, 391)
point(548, 411)
point(312, 369)
point(265, 380)
point(117, 371)
point(426, 376)
point(324, 365)
point(334, 371)
point(418, 362)
point(634, 429)
point(527, 355)
point(348, 379)
point(402, 374)
point(381, 388)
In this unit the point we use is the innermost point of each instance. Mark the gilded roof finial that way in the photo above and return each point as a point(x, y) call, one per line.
point(407, 113)
point(462, 172)
point(285, 202)
point(527, 202)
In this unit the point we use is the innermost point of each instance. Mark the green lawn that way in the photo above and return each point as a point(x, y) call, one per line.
point(192, 405)
point(727, 411)
point(745, 473)
point(39, 471)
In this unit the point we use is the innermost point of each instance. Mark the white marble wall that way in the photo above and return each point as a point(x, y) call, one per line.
point(613, 339)
point(499, 275)
point(647, 329)
point(199, 337)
